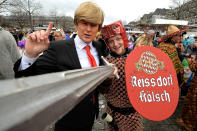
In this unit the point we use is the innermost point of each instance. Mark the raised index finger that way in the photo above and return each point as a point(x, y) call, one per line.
point(49, 28)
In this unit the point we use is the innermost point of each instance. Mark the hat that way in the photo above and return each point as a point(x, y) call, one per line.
point(114, 29)
point(173, 30)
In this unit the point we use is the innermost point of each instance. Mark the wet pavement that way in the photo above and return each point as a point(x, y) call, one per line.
point(165, 125)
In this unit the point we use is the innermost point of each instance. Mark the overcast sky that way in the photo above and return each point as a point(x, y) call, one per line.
point(125, 10)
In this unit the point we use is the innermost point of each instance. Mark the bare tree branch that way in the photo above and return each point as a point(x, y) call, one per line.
point(178, 8)
point(3, 2)
point(29, 7)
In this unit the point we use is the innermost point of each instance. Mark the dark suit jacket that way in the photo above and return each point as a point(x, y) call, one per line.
point(62, 56)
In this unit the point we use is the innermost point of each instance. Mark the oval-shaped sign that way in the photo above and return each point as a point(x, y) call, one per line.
point(151, 82)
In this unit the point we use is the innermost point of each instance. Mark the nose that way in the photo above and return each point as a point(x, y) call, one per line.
point(115, 43)
point(89, 27)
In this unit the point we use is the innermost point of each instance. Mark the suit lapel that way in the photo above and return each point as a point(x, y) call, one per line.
point(73, 54)
point(98, 49)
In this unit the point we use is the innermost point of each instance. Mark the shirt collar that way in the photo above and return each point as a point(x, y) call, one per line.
point(80, 43)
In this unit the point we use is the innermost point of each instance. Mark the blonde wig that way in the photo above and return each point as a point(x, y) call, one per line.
point(89, 12)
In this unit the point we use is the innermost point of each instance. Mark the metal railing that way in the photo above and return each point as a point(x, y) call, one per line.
point(32, 103)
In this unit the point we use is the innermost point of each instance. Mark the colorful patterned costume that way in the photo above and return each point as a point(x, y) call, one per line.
point(119, 106)
point(171, 51)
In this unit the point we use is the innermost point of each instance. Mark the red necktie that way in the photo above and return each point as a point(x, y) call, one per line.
point(92, 62)
point(90, 57)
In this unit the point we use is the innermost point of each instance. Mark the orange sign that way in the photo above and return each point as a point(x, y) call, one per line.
point(152, 84)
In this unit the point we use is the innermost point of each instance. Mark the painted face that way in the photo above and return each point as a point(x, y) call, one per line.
point(87, 31)
point(116, 45)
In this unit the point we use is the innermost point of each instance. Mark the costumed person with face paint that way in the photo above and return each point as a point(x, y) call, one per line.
point(125, 118)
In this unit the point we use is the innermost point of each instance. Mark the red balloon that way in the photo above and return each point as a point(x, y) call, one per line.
point(151, 82)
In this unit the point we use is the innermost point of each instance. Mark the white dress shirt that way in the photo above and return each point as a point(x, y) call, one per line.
point(26, 62)
point(82, 55)
point(81, 52)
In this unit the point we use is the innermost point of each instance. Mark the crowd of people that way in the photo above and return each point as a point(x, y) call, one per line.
point(46, 52)
point(21, 35)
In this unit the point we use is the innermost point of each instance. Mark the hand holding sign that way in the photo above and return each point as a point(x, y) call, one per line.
point(151, 83)
point(37, 42)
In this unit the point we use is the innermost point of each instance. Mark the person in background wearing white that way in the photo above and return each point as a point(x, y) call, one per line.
point(9, 54)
